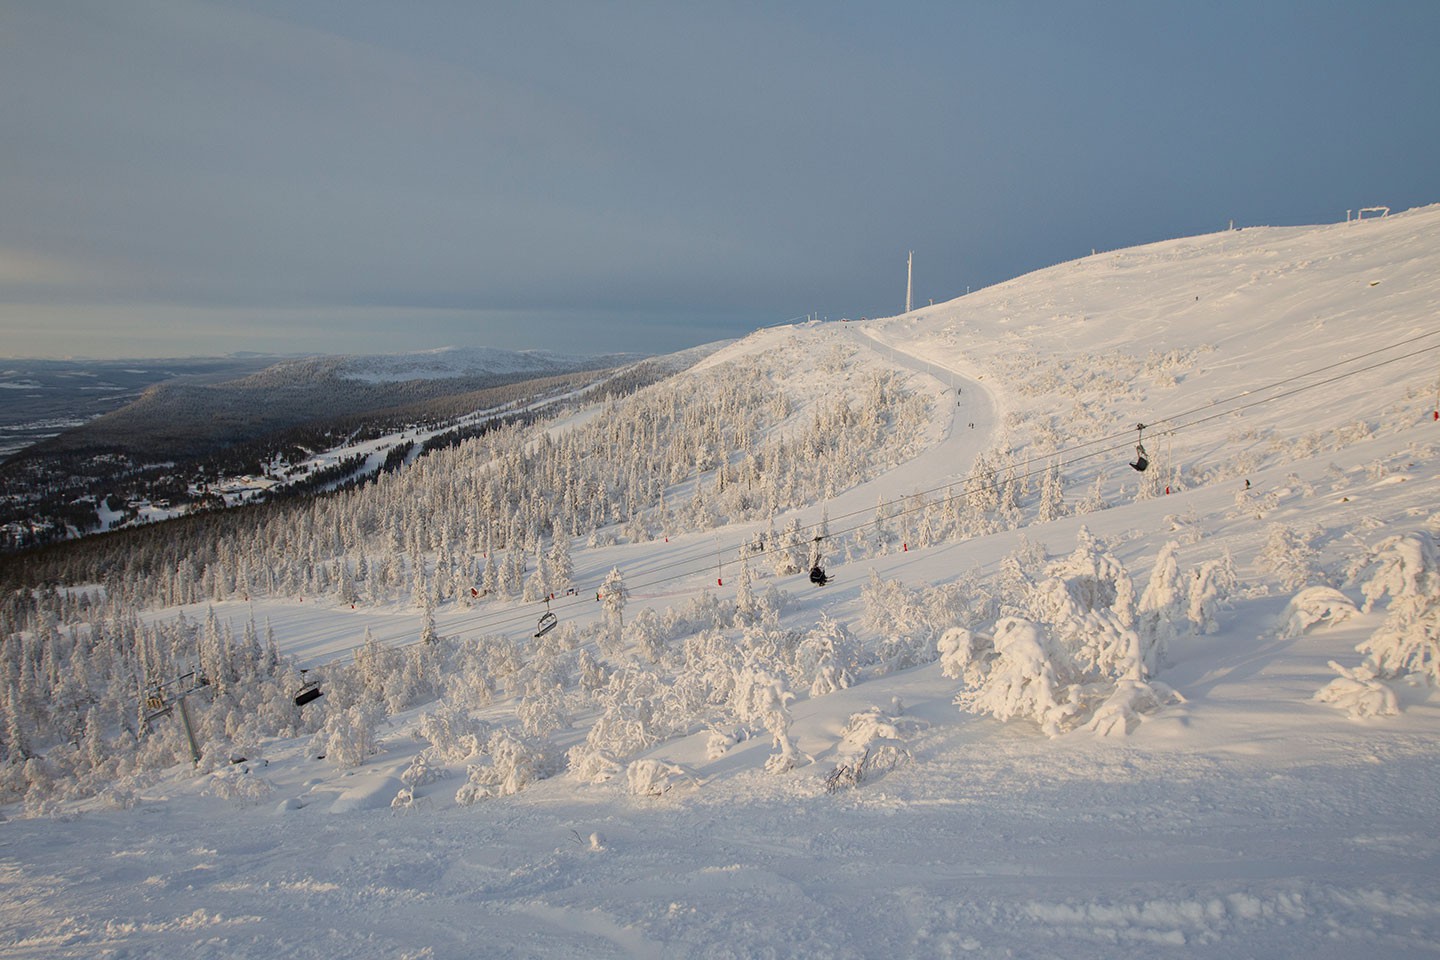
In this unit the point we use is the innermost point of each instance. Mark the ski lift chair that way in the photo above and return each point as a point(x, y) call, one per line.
point(817, 572)
point(308, 693)
point(546, 623)
point(1141, 460)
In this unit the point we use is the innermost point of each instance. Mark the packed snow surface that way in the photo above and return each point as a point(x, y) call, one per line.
point(1210, 806)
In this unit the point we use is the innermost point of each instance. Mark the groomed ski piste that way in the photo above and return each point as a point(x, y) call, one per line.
point(1287, 378)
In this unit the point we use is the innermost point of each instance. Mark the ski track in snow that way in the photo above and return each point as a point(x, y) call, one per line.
point(1246, 821)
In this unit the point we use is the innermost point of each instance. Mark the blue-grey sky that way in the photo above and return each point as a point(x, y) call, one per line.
point(355, 176)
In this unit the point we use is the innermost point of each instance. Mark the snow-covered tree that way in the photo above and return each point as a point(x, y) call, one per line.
point(1095, 578)
point(1052, 494)
point(788, 551)
point(348, 591)
point(537, 586)
point(1290, 557)
point(654, 778)
point(1407, 569)
point(630, 720)
point(1316, 605)
point(826, 659)
point(901, 619)
point(1211, 586)
point(348, 738)
point(1408, 642)
point(747, 611)
point(1029, 676)
point(871, 744)
point(1162, 615)
point(612, 597)
point(1360, 691)
point(427, 622)
point(764, 699)
point(512, 765)
point(490, 579)
point(562, 567)
point(542, 713)
point(453, 734)
point(1131, 699)
point(1076, 656)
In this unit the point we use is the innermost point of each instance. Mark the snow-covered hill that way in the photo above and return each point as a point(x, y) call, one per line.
point(1150, 333)
point(1046, 705)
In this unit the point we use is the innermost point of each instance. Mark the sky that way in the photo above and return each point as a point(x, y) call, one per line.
point(201, 177)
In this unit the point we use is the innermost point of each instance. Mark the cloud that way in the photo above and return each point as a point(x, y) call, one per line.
point(330, 161)
point(230, 155)
point(26, 273)
point(169, 330)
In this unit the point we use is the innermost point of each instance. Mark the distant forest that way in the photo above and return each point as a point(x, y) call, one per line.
point(176, 437)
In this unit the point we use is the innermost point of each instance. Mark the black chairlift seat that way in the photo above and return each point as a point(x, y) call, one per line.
point(311, 691)
point(546, 624)
point(1141, 460)
point(818, 577)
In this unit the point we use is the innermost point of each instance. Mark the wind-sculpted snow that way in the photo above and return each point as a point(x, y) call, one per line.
point(1044, 704)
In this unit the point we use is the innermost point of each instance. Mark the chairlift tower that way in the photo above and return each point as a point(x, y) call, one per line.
point(161, 701)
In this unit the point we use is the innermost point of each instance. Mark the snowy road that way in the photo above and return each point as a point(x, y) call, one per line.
point(969, 427)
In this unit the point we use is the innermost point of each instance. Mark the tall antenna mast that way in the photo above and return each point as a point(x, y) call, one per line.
point(909, 278)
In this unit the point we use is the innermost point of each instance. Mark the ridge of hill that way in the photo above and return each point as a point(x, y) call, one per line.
point(44, 397)
point(449, 363)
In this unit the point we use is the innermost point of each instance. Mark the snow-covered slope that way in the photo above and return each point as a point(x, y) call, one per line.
point(835, 801)
point(1203, 324)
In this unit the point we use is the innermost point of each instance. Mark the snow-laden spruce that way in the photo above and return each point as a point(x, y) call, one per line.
point(1084, 653)
point(871, 744)
point(1406, 647)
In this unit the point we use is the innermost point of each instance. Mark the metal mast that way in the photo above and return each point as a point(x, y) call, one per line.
point(909, 277)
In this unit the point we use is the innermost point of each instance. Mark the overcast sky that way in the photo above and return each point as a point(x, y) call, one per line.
point(183, 177)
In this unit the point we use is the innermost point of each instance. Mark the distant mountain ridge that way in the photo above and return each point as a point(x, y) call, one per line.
point(194, 418)
point(187, 432)
point(460, 361)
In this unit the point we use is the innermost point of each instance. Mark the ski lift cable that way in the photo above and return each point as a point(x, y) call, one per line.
point(1310, 373)
point(509, 620)
point(1173, 421)
point(1174, 427)
point(514, 619)
point(986, 477)
point(492, 622)
point(1290, 393)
